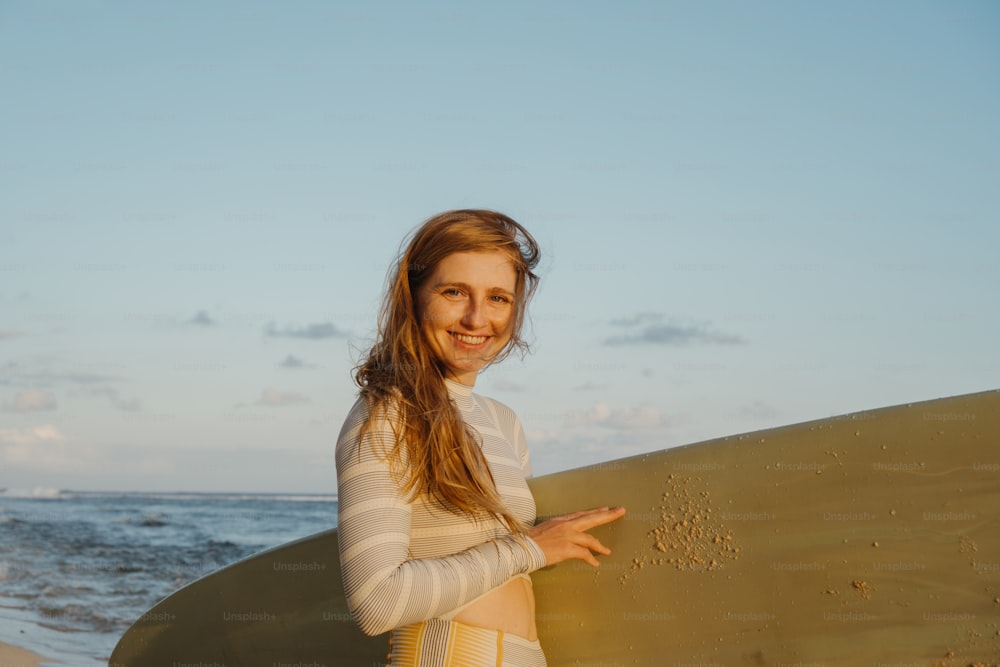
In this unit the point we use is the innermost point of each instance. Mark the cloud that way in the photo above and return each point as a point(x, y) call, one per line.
point(635, 320)
point(31, 435)
point(124, 404)
point(649, 328)
point(15, 373)
point(317, 331)
point(294, 362)
point(84, 378)
point(42, 448)
point(551, 450)
point(201, 318)
point(32, 400)
point(601, 414)
point(274, 398)
point(590, 386)
point(759, 410)
point(600, 433)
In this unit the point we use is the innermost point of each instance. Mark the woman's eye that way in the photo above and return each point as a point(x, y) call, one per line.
point(451, 291)
point(499, 298)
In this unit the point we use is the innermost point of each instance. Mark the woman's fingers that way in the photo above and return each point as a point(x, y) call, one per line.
point(599, 517)
point(565, 537)
point(591, 545)
point(593, 517)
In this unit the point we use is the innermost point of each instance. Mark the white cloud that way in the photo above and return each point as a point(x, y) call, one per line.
point(32, 400)
point(759, 410)
point(41, 448)
point(124, 404)
point(20, 373)
point(273, 397)
point(600, 433)
point(22, 436)
point(560, 449)
point(630, 418)
point(590, 386)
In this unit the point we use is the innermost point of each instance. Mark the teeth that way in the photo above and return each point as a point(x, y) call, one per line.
point(471, 340)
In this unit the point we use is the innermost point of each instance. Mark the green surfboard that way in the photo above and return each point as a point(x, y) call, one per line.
point(867, 539)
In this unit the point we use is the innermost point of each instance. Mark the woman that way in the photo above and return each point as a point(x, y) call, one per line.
point(435, 517)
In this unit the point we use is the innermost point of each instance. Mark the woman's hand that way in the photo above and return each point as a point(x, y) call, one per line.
point(565, 537)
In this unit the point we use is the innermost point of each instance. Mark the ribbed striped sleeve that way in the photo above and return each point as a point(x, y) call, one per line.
point(392, 578)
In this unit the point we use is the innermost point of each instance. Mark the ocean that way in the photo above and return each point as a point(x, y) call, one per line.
point(77, 568)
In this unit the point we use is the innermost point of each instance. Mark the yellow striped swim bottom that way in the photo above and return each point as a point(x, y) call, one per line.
point(442, 643)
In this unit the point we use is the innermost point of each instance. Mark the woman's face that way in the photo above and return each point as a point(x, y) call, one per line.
point(466, 308)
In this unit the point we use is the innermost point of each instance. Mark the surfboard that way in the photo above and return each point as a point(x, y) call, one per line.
point(867, 539)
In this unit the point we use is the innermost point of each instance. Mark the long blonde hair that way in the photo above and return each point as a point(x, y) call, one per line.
point(444, 457)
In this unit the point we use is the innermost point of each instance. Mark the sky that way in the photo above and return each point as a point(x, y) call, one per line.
point(751, 215)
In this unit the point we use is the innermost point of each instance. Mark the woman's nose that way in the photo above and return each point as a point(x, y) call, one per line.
point(474, 316)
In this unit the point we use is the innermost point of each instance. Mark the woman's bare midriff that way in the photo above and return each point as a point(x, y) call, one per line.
point(510, 608)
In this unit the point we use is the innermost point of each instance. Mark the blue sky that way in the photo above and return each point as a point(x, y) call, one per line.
point(751, 215)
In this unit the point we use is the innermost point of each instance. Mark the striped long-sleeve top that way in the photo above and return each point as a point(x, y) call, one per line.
point(406, 560)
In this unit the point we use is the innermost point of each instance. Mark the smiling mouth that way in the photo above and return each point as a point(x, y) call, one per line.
point(468, 340)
